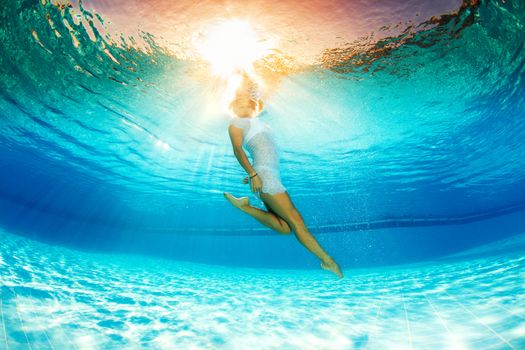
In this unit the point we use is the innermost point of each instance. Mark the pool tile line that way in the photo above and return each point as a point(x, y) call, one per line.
point(20, 317)
point(50, 314)
point(438, 314)
point(407, 322)
point(3, 322)
point(374, 326)
point(481, 322)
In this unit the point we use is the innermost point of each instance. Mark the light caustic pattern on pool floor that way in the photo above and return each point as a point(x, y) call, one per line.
point(57, 298)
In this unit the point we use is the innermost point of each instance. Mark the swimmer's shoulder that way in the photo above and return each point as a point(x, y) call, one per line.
point(236, 123)
point(239, 121)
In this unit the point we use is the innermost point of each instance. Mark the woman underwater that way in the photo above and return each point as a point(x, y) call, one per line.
point(246, 129)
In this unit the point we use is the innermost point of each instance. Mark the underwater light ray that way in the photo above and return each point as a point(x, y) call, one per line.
point(231, 48)
point(231, 45)
point(379, 126)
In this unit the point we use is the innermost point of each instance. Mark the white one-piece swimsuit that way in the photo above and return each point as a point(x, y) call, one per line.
point(259, 141)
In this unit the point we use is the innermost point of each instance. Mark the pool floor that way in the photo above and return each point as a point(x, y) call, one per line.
point(59, 298)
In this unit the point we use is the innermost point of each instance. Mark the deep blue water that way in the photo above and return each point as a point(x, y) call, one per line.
point(405, 150)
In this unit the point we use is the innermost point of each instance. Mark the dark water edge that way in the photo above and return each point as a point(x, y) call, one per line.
point(357, 248)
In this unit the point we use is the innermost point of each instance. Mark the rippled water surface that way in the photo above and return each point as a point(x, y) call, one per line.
point(421, 113)
point(400, 127)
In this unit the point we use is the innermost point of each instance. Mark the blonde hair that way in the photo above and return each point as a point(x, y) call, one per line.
point(259, 104)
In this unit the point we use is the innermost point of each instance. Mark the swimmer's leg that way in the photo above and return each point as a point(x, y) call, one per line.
point(282, 205)
point(267, 218)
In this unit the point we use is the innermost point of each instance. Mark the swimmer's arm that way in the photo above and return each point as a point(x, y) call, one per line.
point(236, 139)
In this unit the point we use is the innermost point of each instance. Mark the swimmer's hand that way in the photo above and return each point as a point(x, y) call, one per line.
point(256, 184)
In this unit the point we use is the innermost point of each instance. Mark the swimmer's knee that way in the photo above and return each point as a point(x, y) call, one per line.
point(285, 230)
point(284, 227)
point(294, 218)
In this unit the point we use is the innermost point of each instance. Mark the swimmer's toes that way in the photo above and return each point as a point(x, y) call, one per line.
point(332, 266)
point(237, 202)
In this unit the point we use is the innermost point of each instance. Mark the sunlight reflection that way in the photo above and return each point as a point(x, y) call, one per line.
point(162, 145)
point(231, 45)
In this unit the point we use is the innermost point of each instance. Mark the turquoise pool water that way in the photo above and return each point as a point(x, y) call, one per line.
point(401, 129)
point(58, 298)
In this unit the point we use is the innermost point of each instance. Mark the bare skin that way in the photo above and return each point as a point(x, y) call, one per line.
point(285, 219)
point(282, 215)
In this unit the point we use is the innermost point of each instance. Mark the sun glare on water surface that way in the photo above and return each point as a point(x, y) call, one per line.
point(230, 46)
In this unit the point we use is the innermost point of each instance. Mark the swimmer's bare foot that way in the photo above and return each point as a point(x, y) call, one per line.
point(331, 265)
point(237, 202)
